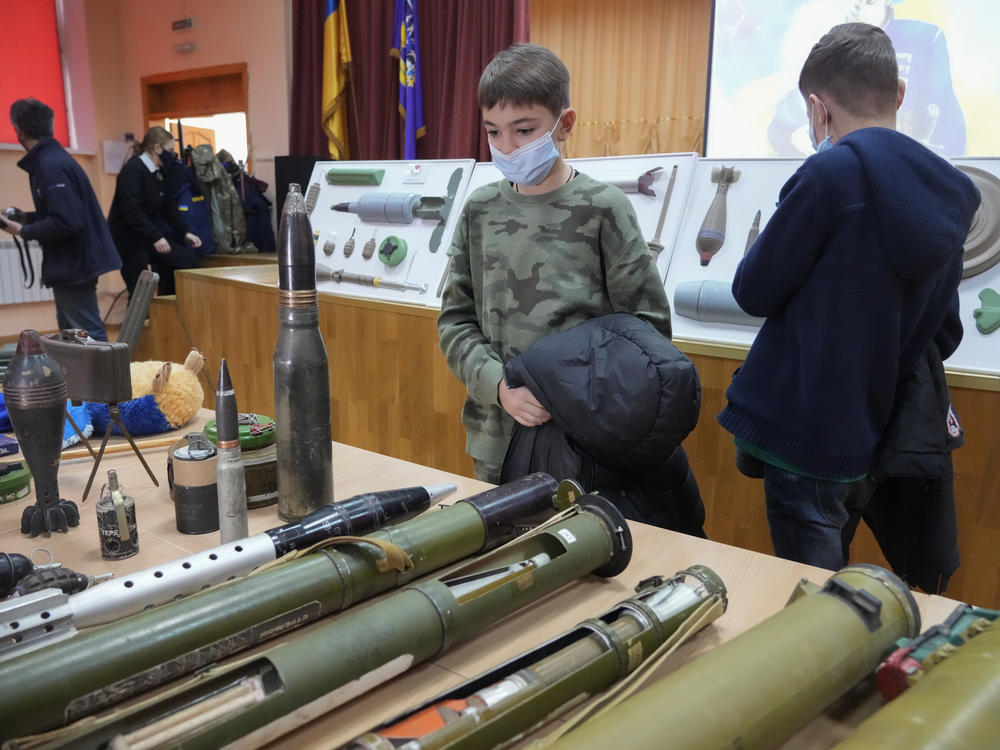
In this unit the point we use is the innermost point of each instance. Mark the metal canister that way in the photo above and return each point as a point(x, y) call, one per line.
point(191, 466)
point(116, 524)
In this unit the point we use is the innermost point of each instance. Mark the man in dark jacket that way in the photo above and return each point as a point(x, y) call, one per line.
point(67, 220)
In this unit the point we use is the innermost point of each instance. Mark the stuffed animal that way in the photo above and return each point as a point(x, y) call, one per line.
point(164, 397)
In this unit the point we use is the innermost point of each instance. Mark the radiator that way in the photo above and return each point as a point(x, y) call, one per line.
point(12, 289)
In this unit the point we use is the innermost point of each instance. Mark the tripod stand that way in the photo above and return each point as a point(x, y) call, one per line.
point(115, 418)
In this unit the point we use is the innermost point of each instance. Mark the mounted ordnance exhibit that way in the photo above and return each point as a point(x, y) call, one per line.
point(641, 184)
point(349, 245)
point(502, 704)
point(323, 273)
point(405, 208)
point(355, 176)
point(758, 689)
point(711, 302)
point(655, 245)
point(311, 197)
point(951, 707)
point(301, 372)
point(35, 393)
point(231, 481)
point(165, 583)
point(982, 246)
point(277, 690)
point(103, 666)
point(712, 234)
point(754, 232)
point(987, 315)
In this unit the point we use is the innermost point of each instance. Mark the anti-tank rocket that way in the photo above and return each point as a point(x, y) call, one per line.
point(50, 615)
point(952, 703)
point(279, 689)
point(301, 372)
point(758, 689)
point(503, 703)
point(65, 681)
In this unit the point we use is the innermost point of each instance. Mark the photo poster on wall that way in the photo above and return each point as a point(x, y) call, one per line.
point(700, 296)
point(944, 51)
point(649, 181)
point(384, 227)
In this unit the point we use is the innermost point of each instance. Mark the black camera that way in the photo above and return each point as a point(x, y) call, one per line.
point(11, 213)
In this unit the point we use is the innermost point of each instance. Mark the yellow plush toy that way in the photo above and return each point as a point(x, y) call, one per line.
point(164, 397)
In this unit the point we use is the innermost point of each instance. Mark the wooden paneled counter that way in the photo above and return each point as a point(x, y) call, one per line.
point(393, 393)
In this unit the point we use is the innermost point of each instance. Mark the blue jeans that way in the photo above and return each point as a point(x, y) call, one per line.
point(76, 307)
point(813, 521)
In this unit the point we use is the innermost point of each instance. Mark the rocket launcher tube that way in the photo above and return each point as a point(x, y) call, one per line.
point(951, 707)
point(502, 704)
point(70, 679)
point(295, 681)
point(147, 588)
point(758, 689)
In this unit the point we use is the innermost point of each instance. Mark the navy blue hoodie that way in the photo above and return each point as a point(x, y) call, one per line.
point(856, 272)
point(68, 221)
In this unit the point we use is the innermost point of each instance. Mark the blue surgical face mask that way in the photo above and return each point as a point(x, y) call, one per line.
point(531, 163)
point(819, 146)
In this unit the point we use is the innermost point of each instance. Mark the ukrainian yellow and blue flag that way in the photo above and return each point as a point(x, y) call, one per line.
point(336, 64)
point(411, 105)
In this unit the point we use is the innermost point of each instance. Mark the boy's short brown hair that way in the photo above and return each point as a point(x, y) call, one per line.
point(855, 64)
point(522, 75)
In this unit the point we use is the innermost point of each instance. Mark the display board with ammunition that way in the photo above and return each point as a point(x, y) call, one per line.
point(399, 215)
point(706, 313)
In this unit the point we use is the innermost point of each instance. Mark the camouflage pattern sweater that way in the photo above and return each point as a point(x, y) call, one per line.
point(525, 266)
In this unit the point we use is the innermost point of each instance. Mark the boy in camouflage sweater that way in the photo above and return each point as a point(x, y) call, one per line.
point(533, 254)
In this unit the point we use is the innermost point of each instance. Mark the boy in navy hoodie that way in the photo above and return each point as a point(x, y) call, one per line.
point(857, 273)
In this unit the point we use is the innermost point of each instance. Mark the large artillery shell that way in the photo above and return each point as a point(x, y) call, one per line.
point(301, 372)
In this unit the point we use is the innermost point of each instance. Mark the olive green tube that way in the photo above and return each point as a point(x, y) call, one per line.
point(954, 706)
point(758, 689)
point(503, 703)
point(281, 688)
point(102, 666)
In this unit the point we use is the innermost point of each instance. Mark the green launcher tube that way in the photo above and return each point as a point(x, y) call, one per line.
point(277, 690)
point(954, 706)
point(758, 689)
point(102, 666)
point(503, 703)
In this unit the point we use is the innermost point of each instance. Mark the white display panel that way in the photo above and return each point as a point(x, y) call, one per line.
point(756, 190)
point(421, 265)
point(978, 352)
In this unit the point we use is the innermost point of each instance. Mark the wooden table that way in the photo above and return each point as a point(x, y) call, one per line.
point(758, 585)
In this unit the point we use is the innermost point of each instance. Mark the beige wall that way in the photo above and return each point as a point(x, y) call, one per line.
point(128, 40)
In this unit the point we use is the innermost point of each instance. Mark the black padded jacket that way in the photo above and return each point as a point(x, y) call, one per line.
point(622, 398)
